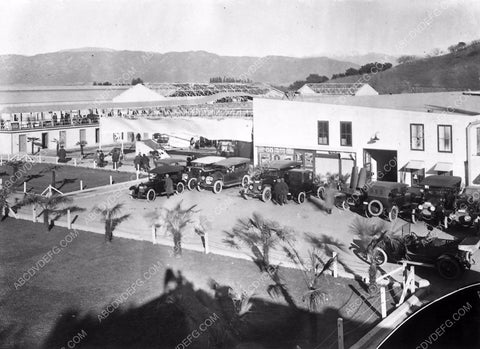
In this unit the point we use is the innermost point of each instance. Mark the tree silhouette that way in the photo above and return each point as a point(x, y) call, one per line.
point(49, 204)
point(111, 217)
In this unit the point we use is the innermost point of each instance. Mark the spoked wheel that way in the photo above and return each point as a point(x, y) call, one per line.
point(448, 267)
point(151, 195)
point(180, 187)
point(375, 208)
point(321, 193)
point(379, 256)
point(192, 183)
point(301, 197)
point(245, 181)
point(200, 188)
point(266, 194)
point(393, 213)
point(217, 187)
point(344, 205)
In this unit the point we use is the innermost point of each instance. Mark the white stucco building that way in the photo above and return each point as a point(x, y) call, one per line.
point(395, 144)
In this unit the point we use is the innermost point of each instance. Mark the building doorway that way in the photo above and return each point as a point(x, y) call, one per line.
point(381, 165)
point(97, 135)
point(22, 143)
point(44, 140)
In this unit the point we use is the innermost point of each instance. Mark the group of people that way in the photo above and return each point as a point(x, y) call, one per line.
point(142, 162)
point(99, 159)
point(280, 190)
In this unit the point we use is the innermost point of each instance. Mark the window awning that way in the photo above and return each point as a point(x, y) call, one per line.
point(414, 165)
point(443, 167)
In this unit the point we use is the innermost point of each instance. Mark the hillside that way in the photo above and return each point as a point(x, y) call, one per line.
point(453, 71)
point(85, 66)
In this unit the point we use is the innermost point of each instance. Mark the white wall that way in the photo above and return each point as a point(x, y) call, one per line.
point(292, 124)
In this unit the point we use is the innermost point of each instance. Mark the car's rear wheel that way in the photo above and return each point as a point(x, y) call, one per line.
point(393, 213)
point(245, 181)
point(151, 195)
point(375, 208)
point(321, 193)
point(133, 194)
point(344, 205)
point(192, 183)
point(266, 194)
point(217, 187)
point(379, 256)
point(180, 187)
point(448, 267)
point(301, 197)
point(200, 188)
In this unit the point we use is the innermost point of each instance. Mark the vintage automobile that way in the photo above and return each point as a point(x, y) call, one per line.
point(388, 199)
point(225, 173)
point(438, 200)
point(450, 257)
point(261, 185)
point(466, 208)
point(196, 169)
point(301, 184)
point(156, 183)
point(170, 162)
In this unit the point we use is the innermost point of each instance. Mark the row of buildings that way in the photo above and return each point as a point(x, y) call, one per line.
point(397, 137)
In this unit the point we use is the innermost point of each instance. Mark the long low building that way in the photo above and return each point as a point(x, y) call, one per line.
point(394, 144)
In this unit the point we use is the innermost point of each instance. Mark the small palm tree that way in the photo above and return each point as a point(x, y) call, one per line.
point(49, 204)
point(4, 206)
point(82, 144)
point(371, 233)
point(175, 221)
point(261, 236)
point(111, 217)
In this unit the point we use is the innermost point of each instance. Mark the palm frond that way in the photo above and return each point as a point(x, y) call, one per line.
point(314, 298)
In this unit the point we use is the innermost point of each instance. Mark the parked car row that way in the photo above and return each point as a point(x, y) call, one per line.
point(438, 200)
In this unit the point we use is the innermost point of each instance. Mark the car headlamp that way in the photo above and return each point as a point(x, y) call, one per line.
point(184, 176)
point(467, 218)
point(432, 208)
point(259, 187)
point(420, 207)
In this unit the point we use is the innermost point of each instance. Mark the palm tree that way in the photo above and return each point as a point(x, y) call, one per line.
point(49, 204)
point(175, 221)
point(82, 144)
point(4, 206)
point(111, 217)
point(371, 233)
point(261, 236)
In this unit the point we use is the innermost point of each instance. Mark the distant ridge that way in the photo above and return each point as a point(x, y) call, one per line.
point(86, 65)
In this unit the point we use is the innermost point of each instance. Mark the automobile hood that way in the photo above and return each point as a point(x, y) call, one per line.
point(470, 244)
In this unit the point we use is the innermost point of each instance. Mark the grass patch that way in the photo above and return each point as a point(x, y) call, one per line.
point(67, 295)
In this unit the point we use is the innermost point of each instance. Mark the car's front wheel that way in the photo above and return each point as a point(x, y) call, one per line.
point(393, 213)
point(200, 188)
point(192, 183)
point(321, 193)
point(266, 194)
point(180, 187)
point(301, 197)
point(151, 195)
point(379, 256)
point(375, 208)
point(217, 187)
point(448, 267)
point(245, 181)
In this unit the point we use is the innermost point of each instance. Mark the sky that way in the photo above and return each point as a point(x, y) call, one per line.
point(239, 27)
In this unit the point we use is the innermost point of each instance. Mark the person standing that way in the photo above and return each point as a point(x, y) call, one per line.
point(137, 161)
point(168, 186)
point(283, 191)
point(146, 162)
point(277, 192)
point(62, 155)
point(101, 158)
point(115, 158)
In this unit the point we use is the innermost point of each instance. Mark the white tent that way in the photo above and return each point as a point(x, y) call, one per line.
point(138, 93)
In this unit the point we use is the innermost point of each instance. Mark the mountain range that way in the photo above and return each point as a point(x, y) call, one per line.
point(84, 66)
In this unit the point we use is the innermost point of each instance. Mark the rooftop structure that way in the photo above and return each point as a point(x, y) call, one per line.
point(337, 89)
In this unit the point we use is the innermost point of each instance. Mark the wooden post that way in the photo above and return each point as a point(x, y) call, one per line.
point(340, 333)
point(56, 160)
point(207, 247)
point(24, 187)
point(111, 180)
point(81, 184)
point(1, 183)
point(137, 174)
point(69, 219)
point(34, 214)
point(94, 164)
point(383, 302)
point(75, 162)
point(335, 264)
point(154, 234)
